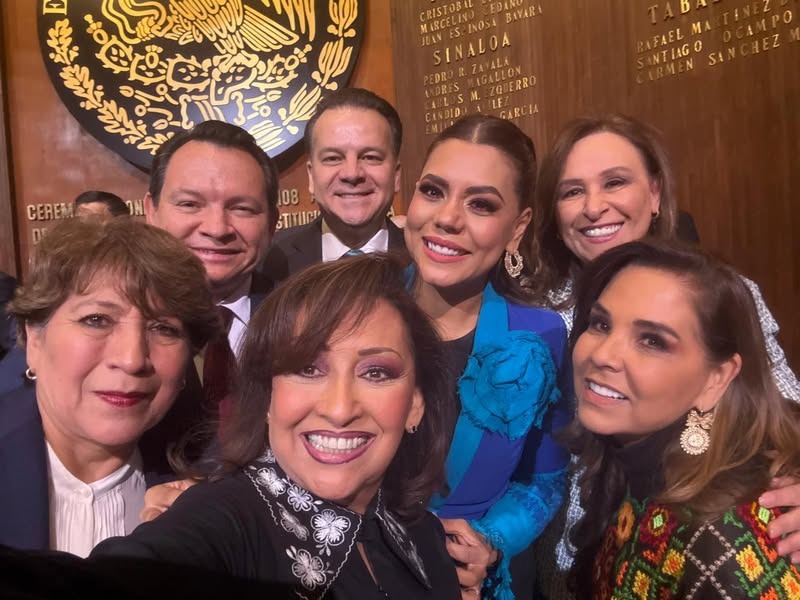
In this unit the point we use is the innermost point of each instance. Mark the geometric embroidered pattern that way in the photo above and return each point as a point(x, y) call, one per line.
point(653, 552)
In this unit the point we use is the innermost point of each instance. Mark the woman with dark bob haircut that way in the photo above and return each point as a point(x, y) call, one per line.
point(680, 427)
point(331, 453)
point(109, 316)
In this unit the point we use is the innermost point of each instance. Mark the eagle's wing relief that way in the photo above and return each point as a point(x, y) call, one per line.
point(231, 26)
point(228, 24)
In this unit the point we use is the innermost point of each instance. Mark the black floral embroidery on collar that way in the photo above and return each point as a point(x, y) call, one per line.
point(318, 535)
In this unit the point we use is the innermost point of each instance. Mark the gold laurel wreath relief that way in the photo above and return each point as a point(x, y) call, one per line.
point(166, 88)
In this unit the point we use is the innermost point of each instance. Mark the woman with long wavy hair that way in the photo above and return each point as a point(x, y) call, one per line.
point(679, 429)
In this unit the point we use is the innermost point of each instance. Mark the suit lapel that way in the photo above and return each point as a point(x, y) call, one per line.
point(397, 240)
point(307, 247)
point(259, 289)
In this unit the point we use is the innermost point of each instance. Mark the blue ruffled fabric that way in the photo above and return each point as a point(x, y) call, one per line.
point(509, 384)
point(532, 505)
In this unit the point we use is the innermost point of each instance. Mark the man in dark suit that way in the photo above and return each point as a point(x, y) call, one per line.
point(353, 144)
point(214, 188)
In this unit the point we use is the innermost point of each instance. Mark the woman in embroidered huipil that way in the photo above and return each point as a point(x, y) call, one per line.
point(679, 429)
point(331, 453)
point(608, 180)
point(111, 315)
point(467, 230)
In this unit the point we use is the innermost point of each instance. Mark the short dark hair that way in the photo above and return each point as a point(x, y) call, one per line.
point(293, 326)
point(514, 144)
point(156, 272)
point(116, 205)
point(352, 97)
point(224, 135)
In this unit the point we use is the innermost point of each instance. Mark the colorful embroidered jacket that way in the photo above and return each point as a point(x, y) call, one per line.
point(652, 552)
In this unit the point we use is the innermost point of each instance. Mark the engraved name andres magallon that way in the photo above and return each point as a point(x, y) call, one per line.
point(134, 72)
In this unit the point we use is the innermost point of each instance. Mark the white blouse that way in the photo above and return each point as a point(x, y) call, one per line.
point(84, 514)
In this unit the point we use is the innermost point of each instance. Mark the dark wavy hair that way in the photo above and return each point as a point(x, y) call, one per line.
point(555, 262)
point(518, 148)
point(291, 328)
point(756, 433)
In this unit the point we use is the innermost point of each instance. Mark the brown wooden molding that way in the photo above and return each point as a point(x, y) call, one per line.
point(8, 236)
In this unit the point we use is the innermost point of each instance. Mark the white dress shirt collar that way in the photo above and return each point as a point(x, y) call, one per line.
point(84, 514)
point(334, 249)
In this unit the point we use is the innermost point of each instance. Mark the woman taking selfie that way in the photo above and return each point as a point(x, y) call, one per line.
point(679, 429)
point(467, 230)
point(110, 317)
point(332, 451)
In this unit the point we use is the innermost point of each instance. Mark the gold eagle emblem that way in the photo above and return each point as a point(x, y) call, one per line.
point(147, 68)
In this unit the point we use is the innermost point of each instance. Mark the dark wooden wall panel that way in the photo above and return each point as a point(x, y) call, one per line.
point(8, 254)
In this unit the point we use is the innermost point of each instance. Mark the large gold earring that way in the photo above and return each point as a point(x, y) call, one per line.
point(695, 438)
point(513, 263)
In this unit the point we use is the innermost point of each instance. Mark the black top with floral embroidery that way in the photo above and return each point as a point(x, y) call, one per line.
point(259, 524)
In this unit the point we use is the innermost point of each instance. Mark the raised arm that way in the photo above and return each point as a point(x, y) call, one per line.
point(211, 525)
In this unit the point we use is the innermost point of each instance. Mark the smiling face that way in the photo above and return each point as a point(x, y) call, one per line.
point(353, 172)
point(605, 196)
point(640, 365)
point(104, 373)
point(214, 199)
point(336, 425)
point(464, 214)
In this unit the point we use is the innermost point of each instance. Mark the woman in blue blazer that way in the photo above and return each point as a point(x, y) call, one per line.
point(467, 230)
point(110, 316)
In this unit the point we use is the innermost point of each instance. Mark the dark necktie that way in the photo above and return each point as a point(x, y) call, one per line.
point(219, 367)
point(352, 252)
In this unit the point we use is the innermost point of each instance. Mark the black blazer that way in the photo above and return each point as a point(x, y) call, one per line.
point(300, 247)
point(12, 368)
point(24, 496)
